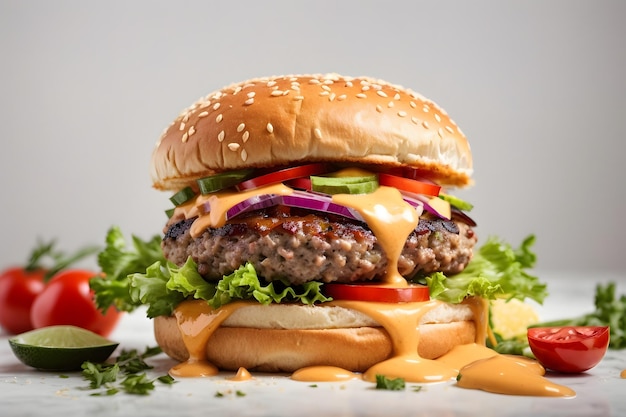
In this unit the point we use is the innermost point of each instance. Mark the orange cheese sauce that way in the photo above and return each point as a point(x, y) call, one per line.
point(242, 375)
point(391, 219)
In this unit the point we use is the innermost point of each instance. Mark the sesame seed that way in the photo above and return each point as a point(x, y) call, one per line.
point(270, 128)
point(248, 101)
point(244, 155)
point(402, 113)
point(205, 104)
point(361, 95)
point(328, 81)
point(324, 93)
point(241, 127)
point(192, 130)
point(317, 133)
point(185, 137)
point(245, 136)
point(220, 136)
point(237, 90)
point(271, 83)
point(285, 92)
point(415, 120)
point(396, 97)
point(379, 108)
point(342, 97)
point(216, 106)
point(186, 118)
point(298, 98)
point(203, 114)
point(425, 124)
point(390, 104)
point(437, 118)
point(412, 104)
point(314, 81)
point(365, 88)
point(381, 93)
point(425, 109)
point(251, 94)
point(277, 93)
point(181, 127)
point(332, 96)
point(449, 129)
point(349, 84)
point(233, 146)
point(325, 87)
point(219, 118)
point(440, 132)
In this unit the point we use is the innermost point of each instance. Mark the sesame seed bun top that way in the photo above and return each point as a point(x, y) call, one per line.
point(294, 119)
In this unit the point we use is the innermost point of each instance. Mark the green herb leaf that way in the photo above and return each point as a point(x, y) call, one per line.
point(128, 363)
point(117, 261)
point(396, 384)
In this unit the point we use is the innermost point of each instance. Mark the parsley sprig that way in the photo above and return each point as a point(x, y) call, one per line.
point(130, 364)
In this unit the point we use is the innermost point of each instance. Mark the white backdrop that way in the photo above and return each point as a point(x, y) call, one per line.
point(537, 86)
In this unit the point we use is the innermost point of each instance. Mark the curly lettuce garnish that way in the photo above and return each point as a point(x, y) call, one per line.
point(496, 270)
point(164, 286)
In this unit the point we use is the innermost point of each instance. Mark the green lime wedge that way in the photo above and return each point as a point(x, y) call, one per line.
point(61, 348)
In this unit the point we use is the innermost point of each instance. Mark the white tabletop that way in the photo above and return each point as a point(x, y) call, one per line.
point(600, 391)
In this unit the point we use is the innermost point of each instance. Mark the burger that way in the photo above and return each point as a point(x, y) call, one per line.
point(312, 227)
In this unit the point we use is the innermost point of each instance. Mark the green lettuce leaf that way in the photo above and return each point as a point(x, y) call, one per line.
point(496, 270)
point(165, 285)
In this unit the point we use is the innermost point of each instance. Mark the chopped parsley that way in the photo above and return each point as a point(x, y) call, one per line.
point(130, 365)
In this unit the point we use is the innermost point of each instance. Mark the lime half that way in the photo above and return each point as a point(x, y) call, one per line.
point(61, 348)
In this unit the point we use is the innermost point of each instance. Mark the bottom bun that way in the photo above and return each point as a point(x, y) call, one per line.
point(287, 350)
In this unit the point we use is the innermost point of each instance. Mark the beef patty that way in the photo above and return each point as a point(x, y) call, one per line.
point(287, 243)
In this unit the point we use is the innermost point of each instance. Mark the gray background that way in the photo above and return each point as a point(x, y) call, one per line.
point(537, 86)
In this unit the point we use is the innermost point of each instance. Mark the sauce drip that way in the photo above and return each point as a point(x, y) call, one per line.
point(242, 375)
point(500, 374)
point(390, 218)
point(211, 209)
point(323, 374)
point(197, 321)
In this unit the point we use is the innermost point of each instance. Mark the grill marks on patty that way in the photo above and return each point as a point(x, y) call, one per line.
point(299, 246)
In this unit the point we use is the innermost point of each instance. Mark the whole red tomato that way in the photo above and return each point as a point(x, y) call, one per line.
point(67, 299)
point(18, 289)
point(569, 349)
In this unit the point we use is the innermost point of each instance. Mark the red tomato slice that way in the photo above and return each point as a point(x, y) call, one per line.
point(283, 175)
point(377, 293)
point(300, 183)
point(405, 184)
point(570, 349)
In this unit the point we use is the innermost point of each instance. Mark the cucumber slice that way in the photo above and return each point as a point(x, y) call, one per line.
point(344, 184)
point(182, 196)
point(218, 182)
point(457, 202)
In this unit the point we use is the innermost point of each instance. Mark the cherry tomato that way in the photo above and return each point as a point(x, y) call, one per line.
point(67, 299)
point(409, 185)
point(569, 349)
point(377, 293)
point(283, 175)
point(18, 289)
